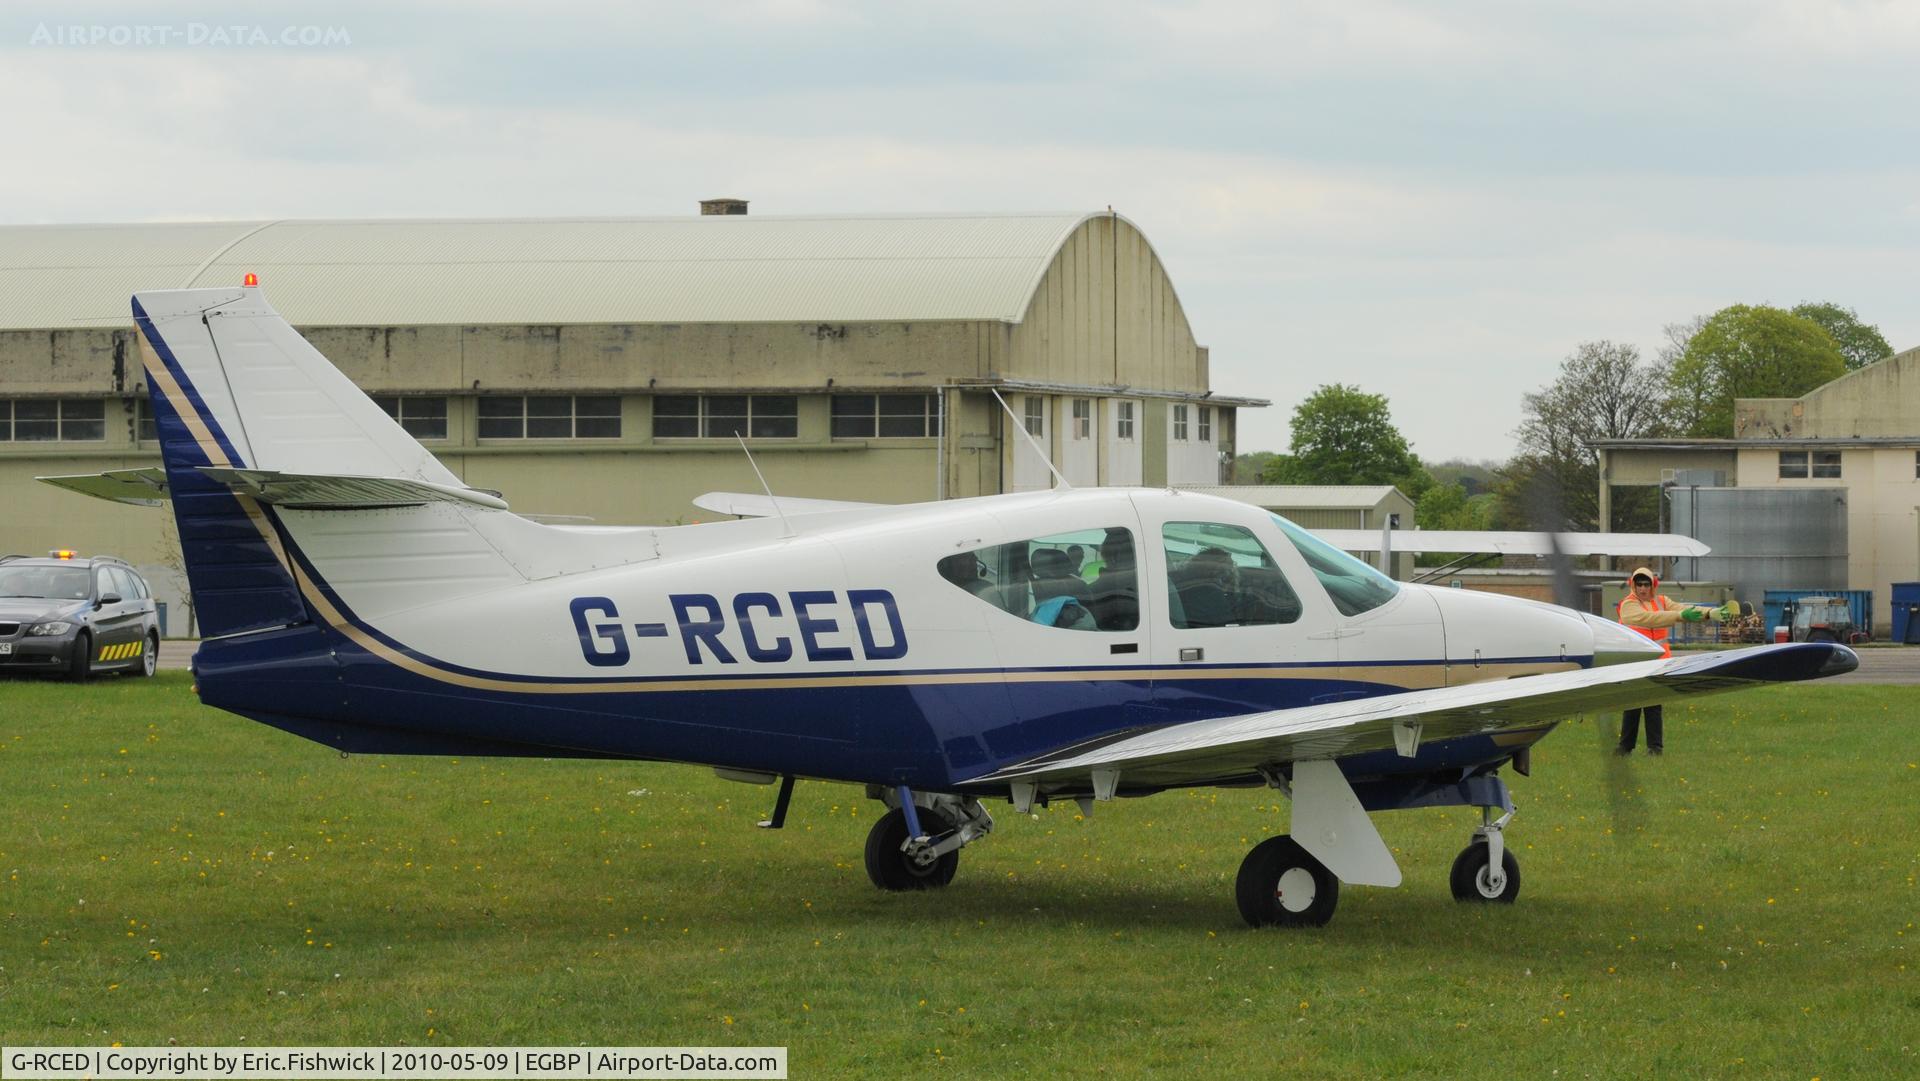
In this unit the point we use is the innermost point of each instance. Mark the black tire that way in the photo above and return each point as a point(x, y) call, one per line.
point(1282, 885)
point(891, 870)
point(80, 665)
point(149, 657)
point(1821, 636)
point(1469, 877)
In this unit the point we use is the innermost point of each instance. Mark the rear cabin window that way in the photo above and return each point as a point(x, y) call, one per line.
point(1353, 586)
point(1084, 580)
point(1220, 575)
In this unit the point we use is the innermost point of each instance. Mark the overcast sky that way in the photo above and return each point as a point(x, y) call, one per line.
point(1436, 202)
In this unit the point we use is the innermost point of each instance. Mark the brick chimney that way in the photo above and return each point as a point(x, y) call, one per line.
point(723, 206)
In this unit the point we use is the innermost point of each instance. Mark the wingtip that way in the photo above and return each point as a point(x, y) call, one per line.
point(1840, 662)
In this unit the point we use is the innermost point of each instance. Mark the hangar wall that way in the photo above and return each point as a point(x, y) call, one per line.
point(1100, 335)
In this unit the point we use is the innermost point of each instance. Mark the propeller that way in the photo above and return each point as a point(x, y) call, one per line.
point(1546, 506)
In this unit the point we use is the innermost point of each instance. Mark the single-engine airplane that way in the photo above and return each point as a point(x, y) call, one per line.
point(1072, 644)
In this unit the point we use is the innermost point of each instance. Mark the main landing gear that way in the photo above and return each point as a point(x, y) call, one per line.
point(1284, 884)
point(916, 844)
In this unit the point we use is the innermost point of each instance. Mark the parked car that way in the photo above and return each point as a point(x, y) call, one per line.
point(75, 616)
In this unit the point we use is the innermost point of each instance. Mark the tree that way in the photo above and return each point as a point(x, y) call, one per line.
point(1448, 506)
point(1250, 467)
point(1603, 392)
point(1342, 435)
point(1748, 351)
point(1860, 344)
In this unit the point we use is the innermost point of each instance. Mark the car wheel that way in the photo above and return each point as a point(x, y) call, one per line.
point(80, 665)
point(149, 657)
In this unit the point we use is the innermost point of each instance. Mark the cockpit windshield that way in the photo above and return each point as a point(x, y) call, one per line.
point(51, 583)
point(1354, 586)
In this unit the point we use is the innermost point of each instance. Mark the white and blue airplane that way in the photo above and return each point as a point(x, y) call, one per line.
point(1072, 644)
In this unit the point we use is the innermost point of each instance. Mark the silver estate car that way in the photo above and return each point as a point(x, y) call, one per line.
point(75, 616)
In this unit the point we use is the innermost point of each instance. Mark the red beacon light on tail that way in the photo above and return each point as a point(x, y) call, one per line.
point(251, 281)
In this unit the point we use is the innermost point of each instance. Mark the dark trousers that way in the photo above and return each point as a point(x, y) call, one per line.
point(1630, 729)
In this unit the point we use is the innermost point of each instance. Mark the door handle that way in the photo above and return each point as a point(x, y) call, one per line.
point(1193, 653)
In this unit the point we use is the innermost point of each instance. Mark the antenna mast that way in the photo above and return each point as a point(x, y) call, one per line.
point(1028, 436)
point(763, 483)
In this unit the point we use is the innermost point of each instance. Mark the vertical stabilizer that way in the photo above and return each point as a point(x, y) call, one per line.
point(234, 387)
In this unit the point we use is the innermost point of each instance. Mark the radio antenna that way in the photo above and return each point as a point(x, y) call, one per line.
point(763, 483)
point(1022, 428)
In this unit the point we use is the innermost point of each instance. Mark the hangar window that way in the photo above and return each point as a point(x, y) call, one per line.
point(1793, 464)
point(1082, 581)
point(1826, 463)
point(44, 420)
point(1036, 415)
point(550, 417)
point(1220, 575)
point(722, 416)
point(1206, 423)
point(1180, 423)
point(143, 429)
point(1123, 420)
point(885, 416)
point(421, 418)
point(1083, 418)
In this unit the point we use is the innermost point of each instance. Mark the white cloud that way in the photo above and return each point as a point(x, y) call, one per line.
point(1437, 207)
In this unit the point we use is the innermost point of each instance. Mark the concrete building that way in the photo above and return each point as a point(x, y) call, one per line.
point(1805, 485)
point(600, 367)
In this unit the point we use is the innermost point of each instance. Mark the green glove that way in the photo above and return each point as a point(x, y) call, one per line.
point(1728, 612)
point(1693, 615)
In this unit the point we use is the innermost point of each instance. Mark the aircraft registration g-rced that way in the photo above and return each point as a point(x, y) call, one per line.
point(1069, 644)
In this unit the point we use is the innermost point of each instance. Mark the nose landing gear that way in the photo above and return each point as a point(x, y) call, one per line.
point(1485, 872)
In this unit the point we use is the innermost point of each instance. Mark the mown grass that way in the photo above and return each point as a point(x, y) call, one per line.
point(1744, 907)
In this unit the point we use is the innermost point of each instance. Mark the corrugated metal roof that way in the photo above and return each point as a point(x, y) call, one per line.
point(711, 269)
point(1330, 496)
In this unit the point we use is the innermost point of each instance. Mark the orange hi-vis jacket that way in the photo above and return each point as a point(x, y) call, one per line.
point(1650, 620)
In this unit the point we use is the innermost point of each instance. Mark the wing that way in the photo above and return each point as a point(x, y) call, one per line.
point(1515, 543)
point(1229, 748)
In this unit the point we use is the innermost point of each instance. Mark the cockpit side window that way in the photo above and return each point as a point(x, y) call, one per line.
point(1083, 580)
point(1221, 576)
point(1353, 586)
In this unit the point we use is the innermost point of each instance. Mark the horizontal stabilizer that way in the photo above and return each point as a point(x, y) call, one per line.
point(744, 505)
point(139, 487)
point(318, 491)
point(1516, 543)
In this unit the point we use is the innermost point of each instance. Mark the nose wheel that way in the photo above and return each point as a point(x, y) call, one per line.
point(1485, 872)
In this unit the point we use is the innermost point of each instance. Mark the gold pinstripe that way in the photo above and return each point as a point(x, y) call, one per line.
point(1405, 677)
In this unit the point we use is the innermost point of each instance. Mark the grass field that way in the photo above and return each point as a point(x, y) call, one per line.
point(1743, 907)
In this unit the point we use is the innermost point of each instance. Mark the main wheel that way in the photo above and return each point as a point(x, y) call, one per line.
point(1471, 881)
point(80, 665)
point(892, 869)
point(150, 657)
point(1281, 884)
